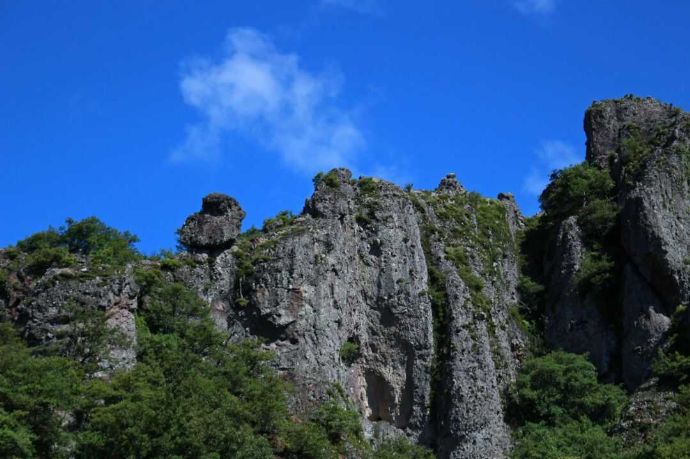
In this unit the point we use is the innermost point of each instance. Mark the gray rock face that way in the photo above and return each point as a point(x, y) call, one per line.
point(483, 345)
point(606, 121)
point(405, 298)
point(649, 406)
point(49, 311)
point(573, 322)
point(335, 278)
point(645, 145)
point(215, 227)
point(353, 268)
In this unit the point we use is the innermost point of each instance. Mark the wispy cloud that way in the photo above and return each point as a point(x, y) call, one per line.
point(259, 92)
point(538, 7)
point(361, 6)
point(551, 155)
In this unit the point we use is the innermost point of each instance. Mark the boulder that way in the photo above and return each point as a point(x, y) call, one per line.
point(215, 227)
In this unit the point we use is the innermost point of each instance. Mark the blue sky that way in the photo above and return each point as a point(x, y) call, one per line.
point(132, 110)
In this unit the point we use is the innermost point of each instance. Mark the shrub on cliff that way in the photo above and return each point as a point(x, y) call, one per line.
point(90, 237)
point(586, 192)
point(576, 439)
point(561, 387)
point(575, 188)
point(561, 410)
point(671, 438)
point(36, 395)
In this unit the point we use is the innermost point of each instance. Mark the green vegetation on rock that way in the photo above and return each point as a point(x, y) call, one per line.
point(587, 193)
point(584, 191)
point(105, 248)
point(191, 394)
point(349, 352)
point(596, 272)
point(284, 218)
point(330, 179)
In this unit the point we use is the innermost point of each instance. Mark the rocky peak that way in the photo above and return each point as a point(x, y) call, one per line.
point(608, 122)
point(333, 193)
point(215, 227)
point(644, 145)
point(450, 185)
point(409, 301)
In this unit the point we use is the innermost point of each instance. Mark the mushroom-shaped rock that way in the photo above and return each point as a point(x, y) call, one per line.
point(215, 227)
point(450, 185)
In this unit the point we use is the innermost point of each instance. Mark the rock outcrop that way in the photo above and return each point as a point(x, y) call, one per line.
point(353, 271)
point(574, 321)
point(215, 227)
point(645, 146)
point(408, 299)
point(69, 308)
point(402, 298)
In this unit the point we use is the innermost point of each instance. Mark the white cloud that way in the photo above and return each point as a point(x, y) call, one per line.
point(535, 182)
point(557, 154)
point(541, 7)
point(551, 155)
point(361, 6)
point(263, 94)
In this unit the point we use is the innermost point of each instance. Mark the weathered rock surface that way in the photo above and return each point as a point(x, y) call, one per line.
point(645, 145)
point(52, 309)
point(215, 227)
point(406, 298)
point(574, 321)
point(354, 268)
point(648, 407)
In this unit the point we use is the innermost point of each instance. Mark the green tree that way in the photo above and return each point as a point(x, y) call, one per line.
point(561, 387)
point(90, 237)
point(36, 396)
point(574, 190)
point(402, 448)
point(560, 410)
point(575, 439)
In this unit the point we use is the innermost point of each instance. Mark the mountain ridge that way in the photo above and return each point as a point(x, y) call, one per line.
point(421, 305)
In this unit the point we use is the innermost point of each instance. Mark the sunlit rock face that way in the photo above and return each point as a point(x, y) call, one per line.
point(406, 299)
point(216, 226)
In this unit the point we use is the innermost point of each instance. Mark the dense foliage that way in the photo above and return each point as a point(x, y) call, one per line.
point(561, 387)
point(584, 191)
point(36, 395)
point(191, 394)
point(561, 410)
point(671, 439)
point(576, 439)
point(105, 247)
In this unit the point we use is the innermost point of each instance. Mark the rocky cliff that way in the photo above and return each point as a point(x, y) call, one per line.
point(410, 300)
point(644, 146)
point(401, 297)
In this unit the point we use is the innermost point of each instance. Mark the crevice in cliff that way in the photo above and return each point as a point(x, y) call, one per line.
point(441, 331)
